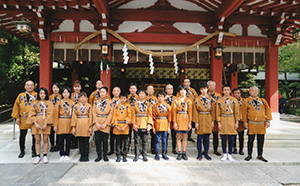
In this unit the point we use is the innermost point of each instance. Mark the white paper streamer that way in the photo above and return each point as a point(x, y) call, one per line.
point(125, 54)
point(175, 64)
point(151, 64)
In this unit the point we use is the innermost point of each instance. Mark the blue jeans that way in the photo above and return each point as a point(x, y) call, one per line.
point(164, 136)
point(230, 143)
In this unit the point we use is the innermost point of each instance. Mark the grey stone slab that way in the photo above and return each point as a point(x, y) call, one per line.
point(279, 174)
point(205, 174)
point(229, 173)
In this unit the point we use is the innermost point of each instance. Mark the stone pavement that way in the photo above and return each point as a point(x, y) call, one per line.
point(281, 149)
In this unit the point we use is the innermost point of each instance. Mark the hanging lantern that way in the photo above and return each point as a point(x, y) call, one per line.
point(296, 34)
point(3, 41)
point(104, 49)
point(23, 26)
point(218, 52)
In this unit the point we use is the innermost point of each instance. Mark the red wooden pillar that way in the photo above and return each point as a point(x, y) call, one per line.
point(46, 63)
point(271, 76)
point(216, 68)
point(105, 75)
point(234, 80)
point(74, 76)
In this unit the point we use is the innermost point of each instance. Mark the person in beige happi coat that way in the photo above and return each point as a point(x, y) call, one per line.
point(82, 125)
point(41, 118)
point(182, 109)
point(95, 95)
point(20, 112)
point(102, 115)
point(228, 116)
point(204, 123)
point(256, 115)
point(62, 116)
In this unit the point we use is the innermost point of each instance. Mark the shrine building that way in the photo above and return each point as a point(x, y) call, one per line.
point(155, 41)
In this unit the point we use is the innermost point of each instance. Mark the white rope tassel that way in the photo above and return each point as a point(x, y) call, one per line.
point(151, 64)
point(107, 69)
point(175, 64)
point(101, 66)
point(125, 54)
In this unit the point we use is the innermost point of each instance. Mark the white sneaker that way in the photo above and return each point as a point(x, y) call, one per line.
point(45, 160)
point(224, 157)
point(37, 160)
point(61, 159)
point(230, 158)
point(67, 159)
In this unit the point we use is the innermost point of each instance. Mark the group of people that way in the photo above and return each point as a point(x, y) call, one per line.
point(75, 116)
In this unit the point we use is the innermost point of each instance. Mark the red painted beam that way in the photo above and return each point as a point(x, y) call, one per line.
point(226, 8)
point(102, 6)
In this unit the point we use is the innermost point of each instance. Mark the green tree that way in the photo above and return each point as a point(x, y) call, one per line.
point(289, 58)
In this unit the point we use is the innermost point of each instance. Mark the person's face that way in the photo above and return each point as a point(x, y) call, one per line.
point(203, 90)
point(187, 83)
point(29, 86)
point(237, 94)
point(103, 93)
point(77, 88)
point(66, 94)
point(123, 99)
point(253, 91)
point(132, 89)
point(169, 89)
point(99, 84)
point(226, 91)
point(142, 95)
point(211, 87)
point(55, 89)
point(116, 92)
point(42, 94)
point(150, 90)
point(161, 98)
point(83, 99)
point(182, 92)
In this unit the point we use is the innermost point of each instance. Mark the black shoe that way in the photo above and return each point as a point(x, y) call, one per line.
point(234, 151)
point(217, 153)
point(207, 157)
point(179, 156)
point(153, 151)
point(56, 148)
point(81, 159)
point(22, 154)
point(174, 151)
point(110, 153)
point(184, 156)
point(136, 158)
point(72, 146)
point(248, 158)
point(124, 159)
point(145, 159)
point(191, 140)
point(33, 154)
point(199, 157)
point(98, 159)
point(86, 159)
point(118, 159)
point(105, 158)
point(76, 146)
point(164, 156)
point(52, 149)
point(156, 157)
point(203, 153)
point(262, 159)
point(241, 152)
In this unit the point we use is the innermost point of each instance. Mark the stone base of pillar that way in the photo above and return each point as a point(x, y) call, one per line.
point(276, 119)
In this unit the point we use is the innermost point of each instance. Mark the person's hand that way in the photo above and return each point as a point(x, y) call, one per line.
point(98, 125)
point(37, 125)
point(197, 126)
point(245, 125)
point(212, 124)
point(18, 121)
point(219, 126)
point(267, 124)
point(102, 127)
point(73, 131)
point(236, 125)
point(90, 130)
point(190, 126)
point(169, 130)
point(153, 130)
point(135, 127)
point(148, 127)
point(44, 127)
point(175, 126)
point(55, 129)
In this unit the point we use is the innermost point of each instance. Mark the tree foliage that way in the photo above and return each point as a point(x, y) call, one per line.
point(289, 58)
point(18, 60)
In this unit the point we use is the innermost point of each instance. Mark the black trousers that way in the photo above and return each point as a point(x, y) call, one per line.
point(52, 137)
point(152, 140)
point(84, 146)
point(190, 131)
point(101, 137)
point(173, 135)
point(241, 140)
point(22, 137)
point(215, 140)
point(260, 143)
point(62, 140)
point(111, 140)
point(141, 134)
point(130, 135)
point(119, 139)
